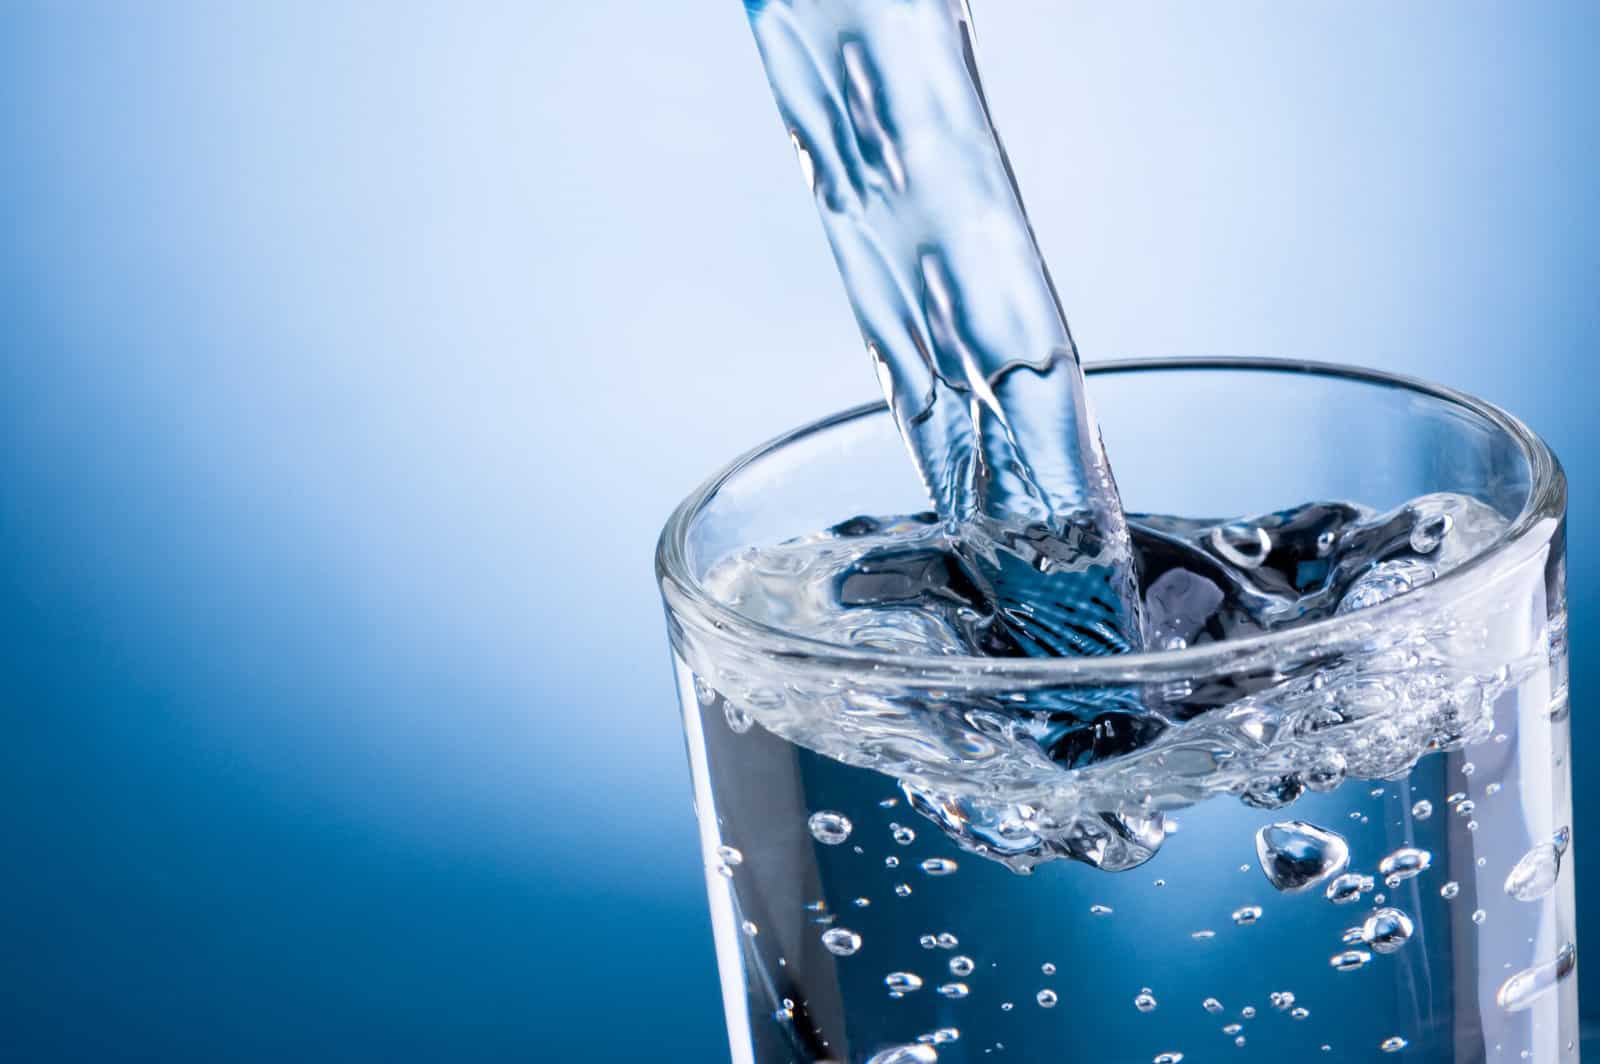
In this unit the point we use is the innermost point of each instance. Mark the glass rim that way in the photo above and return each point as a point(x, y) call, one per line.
point(1546, 499)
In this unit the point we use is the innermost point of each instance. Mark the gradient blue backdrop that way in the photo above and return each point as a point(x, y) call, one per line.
point(354, 353)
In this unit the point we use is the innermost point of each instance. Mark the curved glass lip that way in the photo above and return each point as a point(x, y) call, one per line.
point(1546, 500)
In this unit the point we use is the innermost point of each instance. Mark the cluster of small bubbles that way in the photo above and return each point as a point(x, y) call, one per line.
point(1204, 935)
point(902, 834)
point(938, 866)
point(1282, 1000)
point(703, 692)
point(1387, 930)
point(1145, 1002)
point(961, 966)
point(1449, 890)
point(829, 828)
point(1100, 910)
point(902, 890)
point(1346, 888)
point(1248, 1012)
point(1404, 863)
point(902, 982)
point(954, 991)
point(1350, 960)
point(750, 928)
point(1393, 1044)
point(1299, 1012)
point(1422, 810)
point(891, 862)
point(1047, 968)
point(1046, 999)
point(1211, 1005)
point(1247, 914)
point(1479, 916)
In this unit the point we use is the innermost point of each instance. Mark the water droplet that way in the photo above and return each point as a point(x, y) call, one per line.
point(1346, 888)
point(961, 966)
point(841, 941)
point(914, 1054)
point(1299, 1013)
point(1168, 1058)
point(1404, 863)
point(829, 828)
point(1282, 1000)
point(938, 866)
point(1350, 960)
point(750, 928)
point(1047, 968)
point(1479, 916)
point(1393, 1044)
point(947, 941)
point(1295, 855)
point(1203, 936)
point(904, 835)
point(1100, 910)
point(1422, 810)
point(902, 982)
point(1248, 1012)
point(1387, 930)
point(1528, 985)
point(954, 991)
point(1536, 872)
point(1145, 1003)
point(902, 890)
point(1211, 1005)
point(1248, 914)
point(1046, 999)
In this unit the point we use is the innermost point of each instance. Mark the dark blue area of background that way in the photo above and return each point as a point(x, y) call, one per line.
point(351, 356)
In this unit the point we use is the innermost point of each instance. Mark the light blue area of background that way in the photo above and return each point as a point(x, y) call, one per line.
point(353, 354)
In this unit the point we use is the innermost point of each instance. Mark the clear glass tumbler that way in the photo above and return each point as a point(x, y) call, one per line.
point(862, 810)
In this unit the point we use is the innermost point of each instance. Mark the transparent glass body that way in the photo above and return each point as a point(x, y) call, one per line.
point(1195, 952)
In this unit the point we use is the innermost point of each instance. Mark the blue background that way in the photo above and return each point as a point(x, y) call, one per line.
point(355, 352)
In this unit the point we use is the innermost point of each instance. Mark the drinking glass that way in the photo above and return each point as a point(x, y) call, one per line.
point(866, 815)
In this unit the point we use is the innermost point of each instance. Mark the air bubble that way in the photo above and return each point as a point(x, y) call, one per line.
point(841, 941)
point(914, 1054)
point(1282, 1000)
point(1295, 855)
point(938, 866)
point(1479, 916)
point(1203, 935)
point(954, 991)
point(1168, 1058)
point(1299, 1013)
point(1047, 968)
point(1046, 999)
point(1527, 986)
point(1248, 1012)
point(961, 966)
point(1404, 863)
point(902, 982)
point(1248, 914)
point(1100, 910)
point(1145, 1003)
point(1449, 890)
point(829, 828)
point(1211, 1005)
point(1346, 888)
point(1387, 930)
point(750, 928)
point(902, 890)
point(904, 835)
point(1350, 960)
point(1422, 810)
point(737, 717)
point(1393, 1044)
point(1536, 872)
